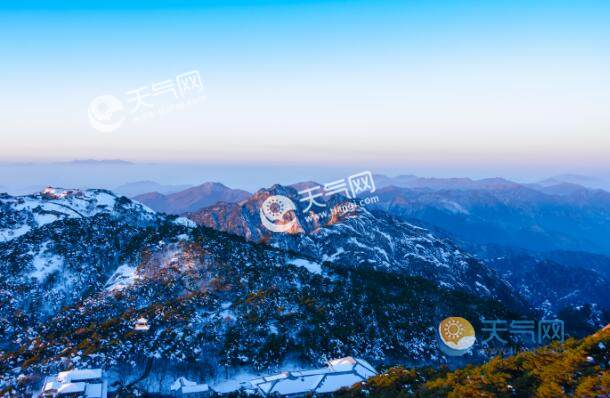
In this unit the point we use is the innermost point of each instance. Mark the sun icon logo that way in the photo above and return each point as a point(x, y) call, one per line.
point(456, 336)
point(274, 211)
point(453, 329)
point(275, 207)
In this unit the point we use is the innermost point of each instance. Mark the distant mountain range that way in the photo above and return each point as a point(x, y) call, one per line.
point(464, 183)
point(141, 187)
point(540, 217)
point(191, 199)
point(501, 212)
point(95, 162)
point(575, 179)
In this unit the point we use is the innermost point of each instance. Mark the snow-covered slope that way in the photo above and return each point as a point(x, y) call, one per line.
point(72, 289)
point(60, 244)
point(21, 214)
point(362, 239)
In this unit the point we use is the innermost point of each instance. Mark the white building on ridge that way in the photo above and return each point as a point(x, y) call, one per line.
point(142, 325)
point(339, 373)
point(81, 383)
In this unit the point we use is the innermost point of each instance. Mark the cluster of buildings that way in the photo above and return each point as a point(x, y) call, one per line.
point(337, 374)
point(58, 193)
point(76, 383)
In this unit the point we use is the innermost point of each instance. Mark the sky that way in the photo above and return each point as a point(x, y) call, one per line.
point(512, 88)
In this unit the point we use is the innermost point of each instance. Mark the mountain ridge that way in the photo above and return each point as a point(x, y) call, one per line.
point(213, 300)
point(191, 199)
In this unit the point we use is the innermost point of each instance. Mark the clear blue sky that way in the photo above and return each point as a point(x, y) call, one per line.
point(459, 85)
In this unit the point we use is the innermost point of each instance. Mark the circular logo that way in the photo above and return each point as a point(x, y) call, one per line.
point(106, 113)
point(273, 213)
point(456, 336)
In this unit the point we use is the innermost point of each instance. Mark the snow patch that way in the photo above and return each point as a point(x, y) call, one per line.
point(45, 264)
point(310, 266)
point(122, 278)
point(185, 222)
point(333, 256)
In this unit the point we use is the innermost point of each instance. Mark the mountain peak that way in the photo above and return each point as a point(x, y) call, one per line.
point(95, 162)
point(21, 214)
point(342, 232)
point(192, 199)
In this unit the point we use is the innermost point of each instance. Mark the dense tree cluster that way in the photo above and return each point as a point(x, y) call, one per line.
point(577, 368)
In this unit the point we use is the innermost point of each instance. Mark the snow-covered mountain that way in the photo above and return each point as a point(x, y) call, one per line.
point(366, 238)
point(59, 245)
point(78, 269)
point(22, 214)
point(360, 238)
